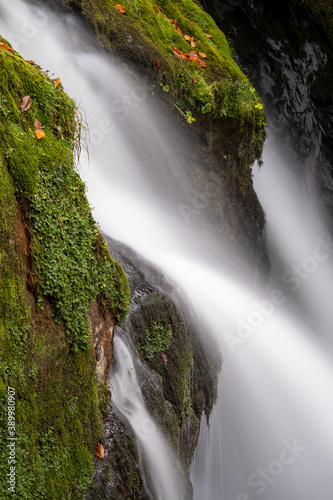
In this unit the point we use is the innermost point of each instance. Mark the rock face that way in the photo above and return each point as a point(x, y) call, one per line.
point(178, 378)
point(287, 49)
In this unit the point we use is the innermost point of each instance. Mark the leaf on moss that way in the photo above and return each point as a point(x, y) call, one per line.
point(32, 63)
point(57, 83)
point(26, 103)
point(40, 134)
point(7, 48)
point(191, 40)
point(191, 56)
point(121, 8)
point(209, 36)
point(195, 79)
point(100, 451)
point(38, 124)
point(202, 54)
point(165, 359)
point(155, 8)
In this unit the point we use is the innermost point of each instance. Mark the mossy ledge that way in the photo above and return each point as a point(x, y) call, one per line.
point(145, 35)
point(55, 270)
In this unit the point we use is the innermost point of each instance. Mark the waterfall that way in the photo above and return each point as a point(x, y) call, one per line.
point(155, 456)
point(270, 434)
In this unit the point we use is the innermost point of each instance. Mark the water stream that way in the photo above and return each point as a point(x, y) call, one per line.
point(270, 434)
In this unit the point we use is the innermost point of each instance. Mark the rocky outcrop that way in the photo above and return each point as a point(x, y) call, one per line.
point(54, 264)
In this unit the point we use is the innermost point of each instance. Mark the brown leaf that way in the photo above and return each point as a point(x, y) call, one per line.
point(38, 125)
point(201, 54)
point(26, 103)
point(57, 83)
point(162, 10)
point(195, 79)
point(39, 133)
point(100, 450)
point(188, 38)
point(209, 36)
point(165, 359)
point(121, 8)
point(32, 62)
point(158, 64)
point(6, 47)
point(155, 8)
point(193, 44)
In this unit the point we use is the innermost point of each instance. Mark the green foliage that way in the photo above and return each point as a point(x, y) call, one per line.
point(71, 264)
point(158, 338)
point(47, 234)
point(151, 37)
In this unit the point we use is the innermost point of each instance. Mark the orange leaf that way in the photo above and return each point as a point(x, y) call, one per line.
point(188, 38)
point(201, 54)
point(155, 8)
point(157, 64)
point(100, 450)
point(209, 36)
point(195, 79)
point(177, 3)
point(39, 133)
point(165, 359)
point(162, 10)
point(32, 62)
point(121, 8)
point(57, 83)
point(9, 49)
point(26, 103)
point(193, 44)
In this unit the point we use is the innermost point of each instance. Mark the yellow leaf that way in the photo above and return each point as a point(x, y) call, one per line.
point(57, 83)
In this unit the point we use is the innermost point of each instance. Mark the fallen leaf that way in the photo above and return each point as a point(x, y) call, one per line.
point(38, 125)
point(209, 36)
point(195, 79)
point(191, 56)
point(26, 103)
point(177, 3)
point(100, 450)
point(121, 8)
point(39, 133)
point(57, 83)
point(32, 62)
point(9, 49)
point(162, 10)
point(165, 359)
point(201, 54)
point(193, 44)
point(157, 64)
point(155, 8)
point(188, 38)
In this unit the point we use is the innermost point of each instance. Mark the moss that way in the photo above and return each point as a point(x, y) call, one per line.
point(147, 37)
point(50, 248)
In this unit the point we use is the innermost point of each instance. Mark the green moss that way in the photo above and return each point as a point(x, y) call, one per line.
point(50, 247)
point(148, 37)
point(157, 339)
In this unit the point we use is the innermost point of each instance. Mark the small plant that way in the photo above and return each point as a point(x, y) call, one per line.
point(206, 108)
point(158, 339)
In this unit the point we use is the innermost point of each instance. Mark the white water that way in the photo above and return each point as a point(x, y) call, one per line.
point(155, 456)
point(276, 386)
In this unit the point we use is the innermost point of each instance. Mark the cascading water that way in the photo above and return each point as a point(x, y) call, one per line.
point(270, 434)
point(154, 453)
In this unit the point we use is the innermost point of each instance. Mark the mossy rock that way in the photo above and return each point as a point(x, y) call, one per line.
point(46, 231)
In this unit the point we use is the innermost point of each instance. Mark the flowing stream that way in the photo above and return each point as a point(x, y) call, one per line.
point(270, 435)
